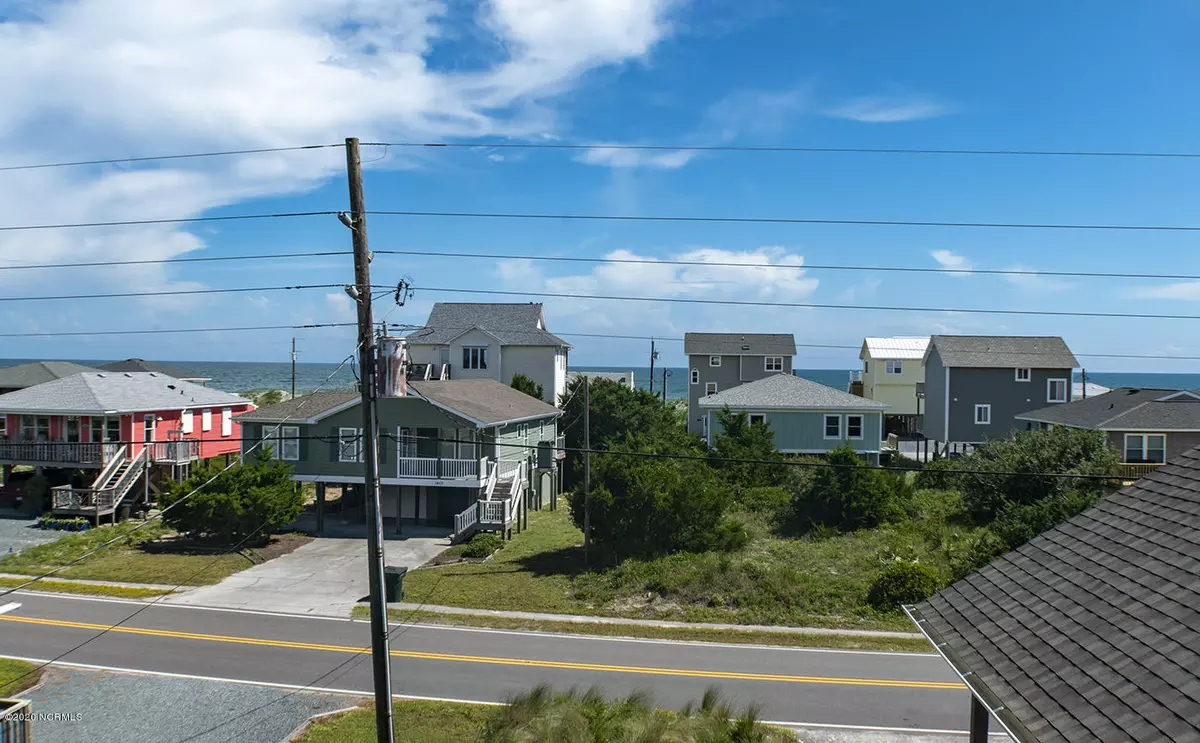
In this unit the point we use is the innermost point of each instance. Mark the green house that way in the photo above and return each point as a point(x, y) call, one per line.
point(451, 453)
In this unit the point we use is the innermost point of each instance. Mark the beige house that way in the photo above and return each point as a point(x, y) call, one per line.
point(892, 369)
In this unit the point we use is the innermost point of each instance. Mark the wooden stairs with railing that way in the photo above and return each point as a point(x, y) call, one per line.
point(500, 505)
point(110, 488)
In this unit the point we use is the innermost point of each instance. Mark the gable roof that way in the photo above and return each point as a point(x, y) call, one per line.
point(483, 401)
point(1090, 631)
point(510, 324)
point(787, 391)
point(308, 408)
point(894, 348)
point(114, 392)
point(1011, 351)
point(740, 344)
point(38, 372)
point(1125, 408)
point(141, 365)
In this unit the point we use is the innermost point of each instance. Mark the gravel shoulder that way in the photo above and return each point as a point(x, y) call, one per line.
point(18, 533)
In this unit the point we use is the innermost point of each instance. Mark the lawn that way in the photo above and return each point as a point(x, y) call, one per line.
point(144, 556)
point(16, 675)
point(817, 582)
point(413, 721)
point(87, 589)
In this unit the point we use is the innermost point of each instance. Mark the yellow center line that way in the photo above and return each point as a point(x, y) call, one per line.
point(529, 663)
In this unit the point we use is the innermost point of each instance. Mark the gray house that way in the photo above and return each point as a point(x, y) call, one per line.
point(13, 378)
point(721, 361)
point(977, 385)
point(467, 340)
point(805, 417)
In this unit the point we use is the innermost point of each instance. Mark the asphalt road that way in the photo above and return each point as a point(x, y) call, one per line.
point(872, 689)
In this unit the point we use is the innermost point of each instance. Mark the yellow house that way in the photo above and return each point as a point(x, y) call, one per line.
point(892, 369)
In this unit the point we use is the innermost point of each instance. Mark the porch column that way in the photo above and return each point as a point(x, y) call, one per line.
point(979, 721)
point(320, 509)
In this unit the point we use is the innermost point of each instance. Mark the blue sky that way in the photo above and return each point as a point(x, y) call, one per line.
point(111, 79)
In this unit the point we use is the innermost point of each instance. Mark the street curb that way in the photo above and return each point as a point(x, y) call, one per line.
point(302, 727)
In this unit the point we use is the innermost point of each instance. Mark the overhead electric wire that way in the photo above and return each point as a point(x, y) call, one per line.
point(171, 292)
point(783, 148)
point(198, 259)
point(163, 331)
point(185, 156)
point(810, 305)
point(781, 220)
point(171, 220)
point(795, 266)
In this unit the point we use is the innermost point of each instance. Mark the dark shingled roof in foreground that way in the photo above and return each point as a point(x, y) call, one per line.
point(1091, 631)
point(38, 372)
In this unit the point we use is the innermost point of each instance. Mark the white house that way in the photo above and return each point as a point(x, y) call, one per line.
point(892, 369)
point(491, 341)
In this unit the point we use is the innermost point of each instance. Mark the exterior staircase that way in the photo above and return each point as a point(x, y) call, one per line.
point(110, 488)
point(500, 505)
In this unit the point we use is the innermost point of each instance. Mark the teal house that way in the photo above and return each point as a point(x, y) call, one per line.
point(805, 417)
point(466, 454)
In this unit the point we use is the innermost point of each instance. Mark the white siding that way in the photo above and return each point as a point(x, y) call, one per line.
point(539, 363)
point(476, 338)
point(426, 354)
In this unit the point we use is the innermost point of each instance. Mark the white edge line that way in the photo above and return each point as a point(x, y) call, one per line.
point(414, 697)
point(490, 630)
point(13, 606)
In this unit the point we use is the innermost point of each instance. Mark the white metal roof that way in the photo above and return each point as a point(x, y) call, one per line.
point(901, 347)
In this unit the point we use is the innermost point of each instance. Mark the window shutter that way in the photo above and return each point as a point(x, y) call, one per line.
point(226, 421)
point(206, 420)
point(186, 421)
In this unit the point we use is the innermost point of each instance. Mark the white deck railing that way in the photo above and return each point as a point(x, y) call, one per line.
point(418, 467)
point(56, 452)
point(176, 452)
point(442, 469)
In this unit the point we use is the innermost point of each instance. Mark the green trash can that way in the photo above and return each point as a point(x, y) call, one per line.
point(393, 583)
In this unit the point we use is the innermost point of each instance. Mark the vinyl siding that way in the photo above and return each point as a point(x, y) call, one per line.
point(536, 362)
point(804, 431)
point(996, 387)
point(934, 418)
point(734, 370)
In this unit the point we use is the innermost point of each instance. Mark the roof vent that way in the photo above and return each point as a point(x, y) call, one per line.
point(129, 375)
point(171, 387)
point(100, 376)
point(745, 346)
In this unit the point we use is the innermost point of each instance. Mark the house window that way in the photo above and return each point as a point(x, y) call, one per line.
point(1145, 448)
point(28, 431)
point(349, 445)
point(695, 376)
point(72, 431)
point(1024, 375)
point(3, 426)
point(185, 421)
point(97, 429)
point(112, 429)
point(475, 357)
point(893, 366)
point(226, 421)
point(773, 363)
point(866, 366)
point(289, 443)
point(710, 388)
point(983, 415)
point(205, 420)
point(760, 418)
point(1056, 390)
point(148, 428)
point(714, 360)
point(854, 427)
point(833, 426)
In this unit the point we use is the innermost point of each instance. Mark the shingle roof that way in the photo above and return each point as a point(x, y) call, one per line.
point(38, 372)
point(141, 365)
point(1012, 351)
point(512, 324)
point(894, 348)
point(1125, 408)
point(787, 391)
point(100, 392)
point(483, 400)
point(303, 407)
point(746, 344)
point(1092, 630)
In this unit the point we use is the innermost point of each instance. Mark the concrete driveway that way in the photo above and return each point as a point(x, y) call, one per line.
point(327, 576)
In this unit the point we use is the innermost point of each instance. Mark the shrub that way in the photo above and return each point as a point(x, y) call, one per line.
point(482, 545)
point(745, 454)
point(522, 383)
point(850, 495)
point(938, 475)
point(902, 582)
point(1017, 524)
point(769, 501)
point(976, 551)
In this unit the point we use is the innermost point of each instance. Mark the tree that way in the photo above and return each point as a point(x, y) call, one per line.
point(247, 501)
point(1021, 471)
point(758, 463)
point(849, 494)
point(522, 383)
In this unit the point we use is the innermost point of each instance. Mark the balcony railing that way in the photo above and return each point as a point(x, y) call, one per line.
point(436, 468)
point(56, 452)
point(176, 452)
point(1136, 470)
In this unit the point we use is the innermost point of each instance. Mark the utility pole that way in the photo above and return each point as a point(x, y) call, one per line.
point(1083, 383)
point(587, 470)
point(293, 367)
point(361, 292)
point(653, 356)
point(665, 373)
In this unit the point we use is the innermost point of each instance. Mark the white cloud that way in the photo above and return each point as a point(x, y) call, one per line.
point(1186, 291)
point(341, 307)
point(953, 261)
point(615, 157)
point(1032, 282)
point(885, 109)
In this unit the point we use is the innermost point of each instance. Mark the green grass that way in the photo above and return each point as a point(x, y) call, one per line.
point(16, 676)
point(414, 722)
point(89, 589)
point(124, 561)
point(776, 580)
point(691, 634)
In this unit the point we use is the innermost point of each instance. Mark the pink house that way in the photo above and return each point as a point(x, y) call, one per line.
point(120, 423)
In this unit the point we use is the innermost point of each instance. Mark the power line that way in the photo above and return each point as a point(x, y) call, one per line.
point(162, 331)
point(799, 267)
point(742, 148)
point(787, 220)
point(171, 293)
point(117, 160)
point(810, 305)
point(152, 261)
point(172, 220)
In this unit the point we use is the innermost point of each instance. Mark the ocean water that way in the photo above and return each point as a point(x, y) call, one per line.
point(241, 376)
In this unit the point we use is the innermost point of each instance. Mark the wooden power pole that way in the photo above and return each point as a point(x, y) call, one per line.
point(293, 367)
point(361, 292)
point(653, 356)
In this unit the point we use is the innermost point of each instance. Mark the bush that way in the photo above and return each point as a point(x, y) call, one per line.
point(522, 383)
point(902, 582)
point(482, 545)
point(978, 550)
point(850, 495)
point(244, 502)
point(1017, 524)
point(745, 454)
point(938, 475)
point(771, 502)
